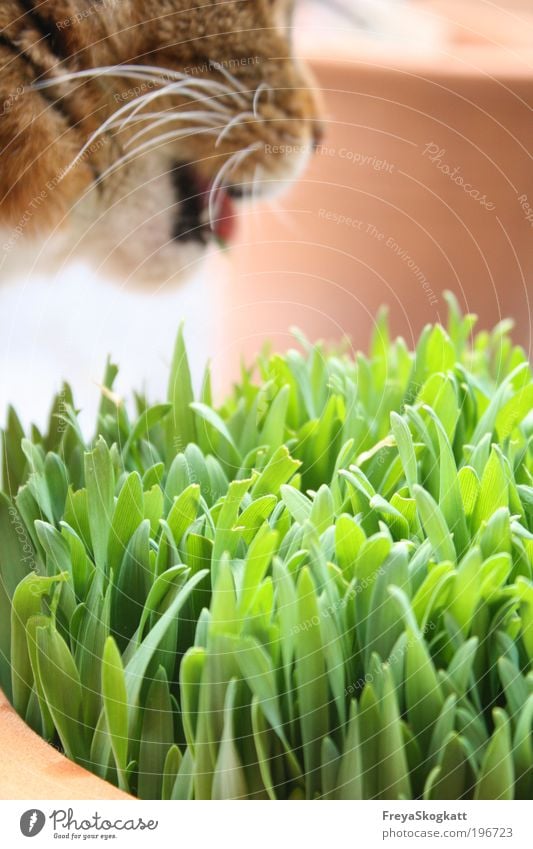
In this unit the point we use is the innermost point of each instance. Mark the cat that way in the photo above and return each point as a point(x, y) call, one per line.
point(129, 130)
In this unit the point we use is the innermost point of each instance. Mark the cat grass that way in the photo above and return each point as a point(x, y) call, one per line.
point(321, 588)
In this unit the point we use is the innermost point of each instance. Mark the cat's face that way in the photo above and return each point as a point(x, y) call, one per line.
point(209, 108)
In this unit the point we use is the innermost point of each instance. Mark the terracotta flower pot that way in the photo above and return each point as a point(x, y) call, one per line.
point(424, 183)
point(31, 769)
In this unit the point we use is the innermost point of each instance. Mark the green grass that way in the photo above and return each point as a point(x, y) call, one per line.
point(321, 588)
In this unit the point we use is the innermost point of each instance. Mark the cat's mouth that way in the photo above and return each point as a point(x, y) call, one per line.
point(204, 212)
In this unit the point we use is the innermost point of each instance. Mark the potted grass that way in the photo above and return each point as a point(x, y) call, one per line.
point(321, 588)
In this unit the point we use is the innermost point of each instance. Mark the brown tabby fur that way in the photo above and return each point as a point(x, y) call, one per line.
point(42, 130)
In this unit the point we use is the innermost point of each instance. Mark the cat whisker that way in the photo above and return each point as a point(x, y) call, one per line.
point(206, 118)
point(104, 127)
point(169, 89)
point(229, 165)
point(257, 96)
point(112, 122)
point(168, 74)
point(138, 72)
point(182, 84)
point(229, 76)
point(237, 119)
point(146, 146)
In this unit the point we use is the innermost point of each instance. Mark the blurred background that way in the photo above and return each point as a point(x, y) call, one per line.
point(424, 182)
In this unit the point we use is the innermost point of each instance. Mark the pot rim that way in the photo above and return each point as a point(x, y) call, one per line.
point(464, 62)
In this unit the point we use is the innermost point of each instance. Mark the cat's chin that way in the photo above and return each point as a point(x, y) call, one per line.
point(153, 230)
point(168, 267)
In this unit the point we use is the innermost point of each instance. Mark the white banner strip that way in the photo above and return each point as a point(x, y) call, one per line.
point(266, 825)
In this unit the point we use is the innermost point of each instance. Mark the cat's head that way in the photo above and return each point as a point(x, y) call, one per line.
point(176, 111)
